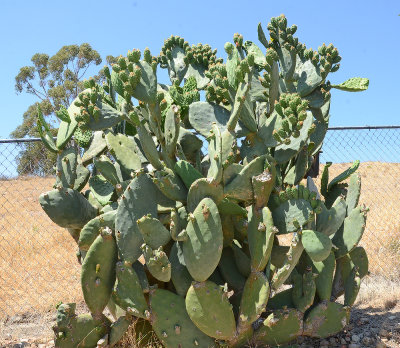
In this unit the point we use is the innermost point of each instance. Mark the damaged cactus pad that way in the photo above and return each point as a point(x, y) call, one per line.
point(194, 213)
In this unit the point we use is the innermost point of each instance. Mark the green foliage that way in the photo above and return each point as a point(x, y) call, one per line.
point(204, 223)
point(56, 81)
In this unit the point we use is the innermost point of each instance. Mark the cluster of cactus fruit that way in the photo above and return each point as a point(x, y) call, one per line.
point(197, 216)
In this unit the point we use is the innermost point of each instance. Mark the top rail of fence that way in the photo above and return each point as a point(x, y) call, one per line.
point(25, 140)
point(19, 140)
point(363, 127)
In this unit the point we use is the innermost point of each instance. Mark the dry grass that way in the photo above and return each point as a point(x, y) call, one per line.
point(379, 292)
point(381, 193)
point(38, 266)
point(139, 336)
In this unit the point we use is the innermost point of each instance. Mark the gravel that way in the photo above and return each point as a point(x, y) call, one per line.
point(368, 327)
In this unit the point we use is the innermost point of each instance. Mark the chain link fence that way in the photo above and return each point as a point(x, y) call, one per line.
point(378, 149)
point(38, 266)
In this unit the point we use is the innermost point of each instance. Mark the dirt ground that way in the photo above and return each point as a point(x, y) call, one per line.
point(375, 322)
point(38, 266)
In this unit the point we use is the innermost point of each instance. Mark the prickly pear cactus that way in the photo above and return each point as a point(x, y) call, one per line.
point(194, 212)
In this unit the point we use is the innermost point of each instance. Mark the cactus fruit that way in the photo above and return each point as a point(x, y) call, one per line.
point(188, 197)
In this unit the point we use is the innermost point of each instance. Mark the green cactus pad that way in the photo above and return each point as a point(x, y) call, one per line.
point(254, 299)
point(180, 276)
point(129, 238)
point(242, 261)
point(92, 229)
point(261, 232)
point(78, 330)
point(359, 258)
point(108, 118)
point(332, 195)
point(67, 129)
point(118, 329)
point(326, 319)
point(228, 229)
point(266, 129)
point(67, 208)
point(342, 271)
point(149, 148)
point(202, 115)
point(281, 300)
point(153, 232)
point(309, 77)
point(228, 207)
point(202, 250)
point(208, 307)
point(215, 154)
point(355, 84)
point(352, 287)
point(304, 289)
point(157, 263)
point(317, 245)
point(232, 62)
point(172, 324)
point(202, 188)
point(146, 89)
point(125, 151)
point(231, 171)
point(230, 271)
point(141, 273)
point(171, 133)
point(281, 326)
point(96, 147)
point(278, 255)
point(353, 191)
point(343, 176)
point(171, 185)
point(259, 56)
point(330, 220)
point(45, 135)
point(98, 272)
point(82, 176)
point(291, 259)
point(187, 172)
point(325, 270)
point(107, 169)
point(190, 144)
point(101, 189)
point(198, 72)
point(128, 293)
point(263, 185)
point(284, 152)
point(240, 186)
point(297, 172)
point(67, 162)
point(293, 209)
point(347, 237)
point(176, 66)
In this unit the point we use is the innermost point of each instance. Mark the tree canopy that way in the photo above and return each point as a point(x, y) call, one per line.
point(56, 81)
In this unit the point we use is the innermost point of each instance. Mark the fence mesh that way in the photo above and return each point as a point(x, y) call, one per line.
point(38, 266)
point(379, 152)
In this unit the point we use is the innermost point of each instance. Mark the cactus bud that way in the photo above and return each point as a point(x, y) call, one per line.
point(147, 55)
point(122, 62)
point(229, 48)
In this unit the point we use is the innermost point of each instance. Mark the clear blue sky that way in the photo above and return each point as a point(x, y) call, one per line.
point(365, 32)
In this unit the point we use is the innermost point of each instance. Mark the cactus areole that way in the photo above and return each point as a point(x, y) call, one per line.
point(196, 213)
